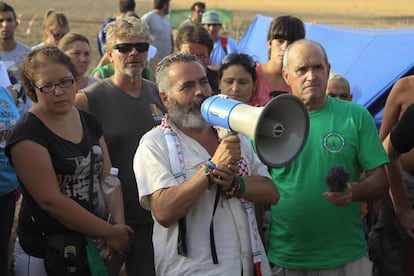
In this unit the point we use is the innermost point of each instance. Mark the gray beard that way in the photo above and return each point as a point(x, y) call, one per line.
point(187, 116)
point(131, 73)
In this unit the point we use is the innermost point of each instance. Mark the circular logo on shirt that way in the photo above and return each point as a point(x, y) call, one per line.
point(333, 142)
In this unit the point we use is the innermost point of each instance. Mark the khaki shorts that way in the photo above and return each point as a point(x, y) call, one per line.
point(360, 267)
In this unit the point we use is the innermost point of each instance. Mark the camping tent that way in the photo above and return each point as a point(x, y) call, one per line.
point(371, 59)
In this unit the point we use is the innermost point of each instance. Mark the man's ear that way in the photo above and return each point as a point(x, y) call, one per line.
point(285, 76)
point(164, 99)
point(109, 55)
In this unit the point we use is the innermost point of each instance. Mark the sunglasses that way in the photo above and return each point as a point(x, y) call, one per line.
point(124, 48)
point(236, 58)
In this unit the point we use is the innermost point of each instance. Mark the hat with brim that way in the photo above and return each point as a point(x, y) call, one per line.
point(211, 18)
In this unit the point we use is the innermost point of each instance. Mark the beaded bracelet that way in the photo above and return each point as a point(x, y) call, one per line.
point(236, 189)
point(207, 172)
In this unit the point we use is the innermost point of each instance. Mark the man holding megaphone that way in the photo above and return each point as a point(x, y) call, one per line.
point(198, 187)
point(314, 230)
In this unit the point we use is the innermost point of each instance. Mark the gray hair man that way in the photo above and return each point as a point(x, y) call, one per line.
point(127, 106)
point(198, 187)
point(342, 134)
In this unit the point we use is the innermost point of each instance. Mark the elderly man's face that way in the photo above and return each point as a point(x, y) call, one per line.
point(189, 88)
point(307, 74)
point(338, 89)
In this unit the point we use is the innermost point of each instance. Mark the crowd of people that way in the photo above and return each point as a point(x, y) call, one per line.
point(194, 202)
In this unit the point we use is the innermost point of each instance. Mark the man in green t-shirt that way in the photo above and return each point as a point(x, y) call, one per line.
point(315, 229)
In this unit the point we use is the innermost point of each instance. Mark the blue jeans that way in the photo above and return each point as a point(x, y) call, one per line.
point(7, 207)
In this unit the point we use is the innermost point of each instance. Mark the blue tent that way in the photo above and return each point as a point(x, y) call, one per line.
point(371, 59)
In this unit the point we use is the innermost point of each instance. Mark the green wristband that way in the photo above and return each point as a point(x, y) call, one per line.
point(242, 186)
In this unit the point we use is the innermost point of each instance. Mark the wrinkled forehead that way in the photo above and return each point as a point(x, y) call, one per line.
point(307, 52)
point(187, 71)
point(130, 39)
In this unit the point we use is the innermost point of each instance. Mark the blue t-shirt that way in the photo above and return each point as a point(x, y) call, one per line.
point(9, 115)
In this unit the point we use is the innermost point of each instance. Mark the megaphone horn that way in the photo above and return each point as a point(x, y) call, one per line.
point(279, 129)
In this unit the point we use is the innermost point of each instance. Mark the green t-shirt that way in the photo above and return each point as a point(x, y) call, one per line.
point(307, 231)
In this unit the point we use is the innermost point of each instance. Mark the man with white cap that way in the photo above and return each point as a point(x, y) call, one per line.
point(223, 45)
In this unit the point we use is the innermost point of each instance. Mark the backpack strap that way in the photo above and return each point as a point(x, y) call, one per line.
point(224, 44)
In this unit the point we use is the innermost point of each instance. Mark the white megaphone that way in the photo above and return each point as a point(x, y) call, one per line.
point(279, 129)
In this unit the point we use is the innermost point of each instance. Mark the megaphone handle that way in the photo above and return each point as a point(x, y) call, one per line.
point(223, 132)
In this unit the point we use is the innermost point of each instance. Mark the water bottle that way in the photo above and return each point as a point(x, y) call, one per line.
point(111, 188)
point(112, 191)
point(111, 182)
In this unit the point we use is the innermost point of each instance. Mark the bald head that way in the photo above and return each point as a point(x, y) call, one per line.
point(304, 43)
point(306, 71)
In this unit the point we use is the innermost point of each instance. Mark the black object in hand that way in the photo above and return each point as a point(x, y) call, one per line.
point(337, 178)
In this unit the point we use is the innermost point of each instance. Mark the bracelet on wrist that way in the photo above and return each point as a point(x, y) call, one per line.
point(242, 185)
point(207, 172)
point(234, 189)
point(211, 165)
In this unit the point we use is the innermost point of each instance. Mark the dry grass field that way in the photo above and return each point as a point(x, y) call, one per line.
point(86, 16)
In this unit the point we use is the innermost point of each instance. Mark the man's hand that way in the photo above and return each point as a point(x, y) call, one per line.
point(228, 152)
point(338, 198)
point(226, 159)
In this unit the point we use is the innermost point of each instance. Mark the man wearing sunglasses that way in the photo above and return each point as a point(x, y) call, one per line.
point(127, 106)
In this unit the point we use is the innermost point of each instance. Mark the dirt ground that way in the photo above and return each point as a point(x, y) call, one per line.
point(86, 16)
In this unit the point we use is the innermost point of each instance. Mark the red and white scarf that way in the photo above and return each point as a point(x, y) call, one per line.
point(178, 170)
